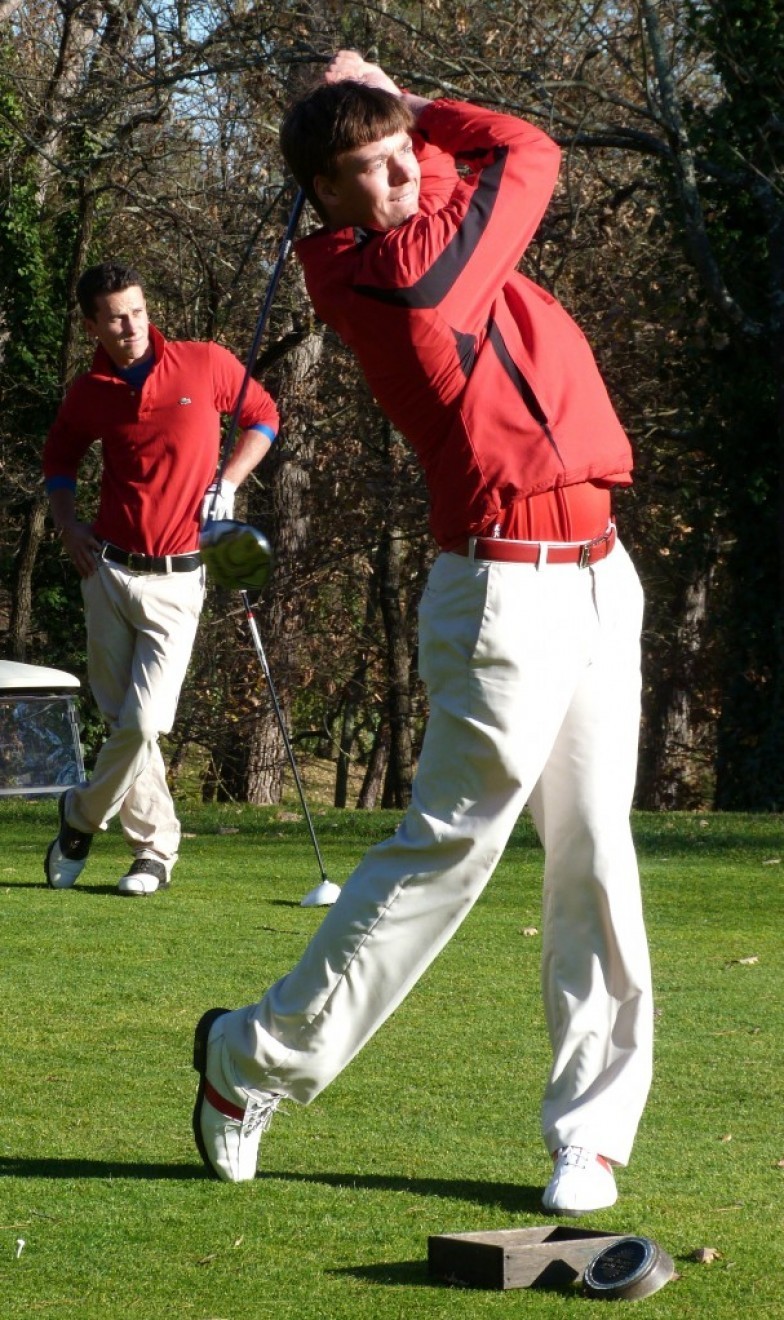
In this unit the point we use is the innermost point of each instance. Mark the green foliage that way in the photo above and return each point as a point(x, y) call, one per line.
point(30, 295)
point(747, 47)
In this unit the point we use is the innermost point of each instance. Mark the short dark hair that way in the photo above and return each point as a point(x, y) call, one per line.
point(334, 118)
point(106, 277)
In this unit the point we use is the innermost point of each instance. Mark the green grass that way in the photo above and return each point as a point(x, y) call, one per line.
point(433, 1129)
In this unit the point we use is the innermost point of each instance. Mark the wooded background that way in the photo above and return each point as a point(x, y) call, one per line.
point(148, 133)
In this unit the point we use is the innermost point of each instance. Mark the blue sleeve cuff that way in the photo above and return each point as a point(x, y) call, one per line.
point(59, 483)
point(269, 431)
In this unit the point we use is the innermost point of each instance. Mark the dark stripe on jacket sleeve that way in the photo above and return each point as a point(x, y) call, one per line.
point(432, 287)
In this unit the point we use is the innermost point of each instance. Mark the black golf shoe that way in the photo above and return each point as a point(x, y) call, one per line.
point(144, 877)
point(66, 856)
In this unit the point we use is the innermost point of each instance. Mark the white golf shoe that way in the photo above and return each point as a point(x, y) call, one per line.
point(227, 1127)
point(582, 1181)
point(144, 877)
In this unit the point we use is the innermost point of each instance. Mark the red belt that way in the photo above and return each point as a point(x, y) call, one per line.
point(498, 550)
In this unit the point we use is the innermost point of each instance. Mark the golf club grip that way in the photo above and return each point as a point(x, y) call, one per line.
point(261, 324)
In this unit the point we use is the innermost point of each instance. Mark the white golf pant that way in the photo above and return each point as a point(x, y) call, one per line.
point(533, 678)
point(140, 633)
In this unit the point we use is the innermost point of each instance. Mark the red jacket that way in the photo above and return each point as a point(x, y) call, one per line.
point(484, 372)
point(159, 445)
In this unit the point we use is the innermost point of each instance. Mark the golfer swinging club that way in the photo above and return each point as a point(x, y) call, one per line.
point(529, 628)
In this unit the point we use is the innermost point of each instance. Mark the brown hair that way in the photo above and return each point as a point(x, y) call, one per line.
point(334, 118)
point(106, 277)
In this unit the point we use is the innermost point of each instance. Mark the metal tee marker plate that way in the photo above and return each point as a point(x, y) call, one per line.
point(628, 1269)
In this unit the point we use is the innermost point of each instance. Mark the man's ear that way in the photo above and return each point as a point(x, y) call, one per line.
point(325, 190)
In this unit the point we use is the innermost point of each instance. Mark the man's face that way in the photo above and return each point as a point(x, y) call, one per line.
point(373, 187)
point(121, 325)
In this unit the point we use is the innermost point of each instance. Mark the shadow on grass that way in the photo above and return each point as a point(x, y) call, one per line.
point(513, 1198)
point(94, 891)
point(393, 1274)
point(17, 1167)
point(91, 890)
point(415, 1274)
point(509, 1197)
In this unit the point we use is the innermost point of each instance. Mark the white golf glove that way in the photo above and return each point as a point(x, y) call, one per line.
point(218, 502)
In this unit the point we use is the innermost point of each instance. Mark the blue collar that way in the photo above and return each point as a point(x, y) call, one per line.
point(137, 373)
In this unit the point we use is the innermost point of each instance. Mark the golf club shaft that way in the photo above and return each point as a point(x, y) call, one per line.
point(261, 325)
point(256, 636)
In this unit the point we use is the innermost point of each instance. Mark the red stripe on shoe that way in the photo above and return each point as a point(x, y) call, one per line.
point(223, 1106)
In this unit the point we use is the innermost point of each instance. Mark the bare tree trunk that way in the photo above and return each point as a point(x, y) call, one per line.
point(343, 764)
point(376, 770)
point(681, 765)
point(266, 764)
point(354, 693)
point(280, 621)
point(400, 773)
point(22, 605)
point(685, 178)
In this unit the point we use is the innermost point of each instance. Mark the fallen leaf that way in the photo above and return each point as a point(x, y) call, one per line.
point(727, 1137)
point(779, 1164)
point(705, 1255)
point(772, 861)
point(744, 962)
point(530, 930)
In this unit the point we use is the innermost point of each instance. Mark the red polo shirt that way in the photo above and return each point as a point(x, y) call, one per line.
point(159, 444)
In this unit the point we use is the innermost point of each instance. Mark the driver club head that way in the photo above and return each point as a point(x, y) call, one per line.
point(324, 895)
point(235, 554)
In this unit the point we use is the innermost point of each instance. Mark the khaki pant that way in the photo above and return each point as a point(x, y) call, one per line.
point(140, 633)
point(533, 678)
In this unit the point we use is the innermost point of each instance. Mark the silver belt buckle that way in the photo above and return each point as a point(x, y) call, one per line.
point(585, 554)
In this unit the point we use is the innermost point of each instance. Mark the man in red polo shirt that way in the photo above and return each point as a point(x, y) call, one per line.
point(155, 407)
point(529, 628)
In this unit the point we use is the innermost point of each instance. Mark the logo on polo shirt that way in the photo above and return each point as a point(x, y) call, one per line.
point(184, 400)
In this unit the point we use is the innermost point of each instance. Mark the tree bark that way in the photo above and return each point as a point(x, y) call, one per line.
point(373, 782)
point(679, 770)
point(22, 605)
point(280, 616)
point(400, 773)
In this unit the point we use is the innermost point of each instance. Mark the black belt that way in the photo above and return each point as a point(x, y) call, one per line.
point(498, 550)
point(139, 563)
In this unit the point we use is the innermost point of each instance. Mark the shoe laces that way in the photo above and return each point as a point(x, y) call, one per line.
point(576, 1157)
point(259, 1114)
point(146, 866)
